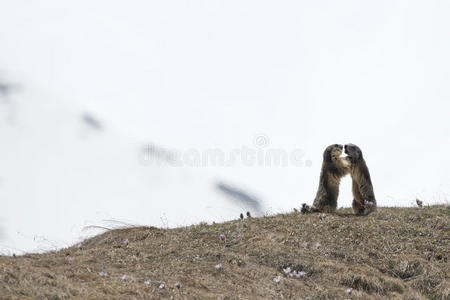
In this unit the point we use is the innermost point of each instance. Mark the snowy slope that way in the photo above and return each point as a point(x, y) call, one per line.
point(59, 174)
point(214, 75)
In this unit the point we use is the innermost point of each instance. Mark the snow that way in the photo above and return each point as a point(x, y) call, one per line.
point(60, 176)
point(194, 77)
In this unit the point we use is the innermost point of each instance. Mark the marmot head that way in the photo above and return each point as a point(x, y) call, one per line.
point(353, 152)
point(332, 152)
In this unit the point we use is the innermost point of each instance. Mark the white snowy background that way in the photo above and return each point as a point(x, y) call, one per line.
point(87, 86)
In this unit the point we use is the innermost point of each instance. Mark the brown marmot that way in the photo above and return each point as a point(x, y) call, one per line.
point(363, 197)
point(333, 169)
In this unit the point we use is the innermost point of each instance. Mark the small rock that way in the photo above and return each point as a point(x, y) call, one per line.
point(419, 203)
point(305, 209)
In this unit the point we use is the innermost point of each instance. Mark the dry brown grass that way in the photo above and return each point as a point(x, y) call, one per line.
point(395, 253)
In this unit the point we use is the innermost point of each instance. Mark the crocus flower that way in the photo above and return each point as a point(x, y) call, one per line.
point(301, 274)
point(277, 279)
point(103, 274)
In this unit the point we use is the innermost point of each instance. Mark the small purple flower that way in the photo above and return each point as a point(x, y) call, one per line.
point(277, 279)
point(222, 237)
point(69, 259)
point(293, 274)
point(126, 241)
point(123, 277)
point(301, 274)
point(349, 290)
point(287, 270)
point(162, 285)
point(177, 285)
point(103, 274)
point(219, 266)
point(147, 282)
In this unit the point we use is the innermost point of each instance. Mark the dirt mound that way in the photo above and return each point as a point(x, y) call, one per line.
point(394, 253)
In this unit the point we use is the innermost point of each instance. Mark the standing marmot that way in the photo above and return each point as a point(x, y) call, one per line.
point(363, 197)
point(333, 169)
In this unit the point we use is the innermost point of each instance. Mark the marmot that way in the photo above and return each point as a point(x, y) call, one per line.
point(333, 169)
point(363, 197)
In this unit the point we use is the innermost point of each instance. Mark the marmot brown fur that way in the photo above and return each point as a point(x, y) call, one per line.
point(363, 197)
point(333, 169)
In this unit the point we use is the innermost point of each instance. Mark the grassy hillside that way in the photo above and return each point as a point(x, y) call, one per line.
point(394, 253)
